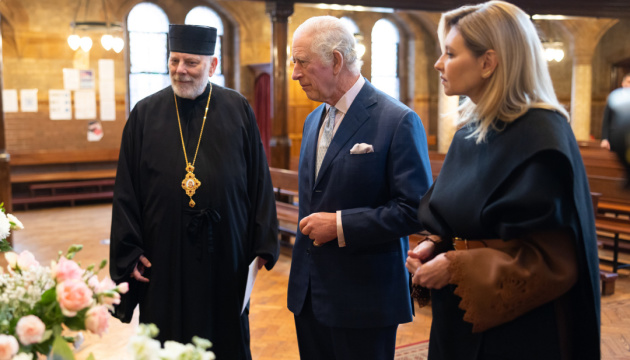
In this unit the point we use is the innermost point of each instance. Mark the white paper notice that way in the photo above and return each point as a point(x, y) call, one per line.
point(10, 100)
point(71, 79)
point(60, 104)
point(86, 79)
point(28, 100)
point(106, 89)
point(84, 104)
point(251, 277)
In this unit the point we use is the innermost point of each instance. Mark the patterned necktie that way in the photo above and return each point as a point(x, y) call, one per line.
point(327, 136)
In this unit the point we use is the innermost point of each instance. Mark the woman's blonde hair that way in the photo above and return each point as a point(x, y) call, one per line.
point(521, 79)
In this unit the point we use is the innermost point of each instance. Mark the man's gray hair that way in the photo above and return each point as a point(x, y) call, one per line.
point(328, 34)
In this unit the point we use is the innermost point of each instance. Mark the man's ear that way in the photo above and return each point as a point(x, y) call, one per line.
point(337, 62)
point(490, 62)
point(213, 65)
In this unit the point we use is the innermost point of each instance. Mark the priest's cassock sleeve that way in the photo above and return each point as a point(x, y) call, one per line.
point(126, 233)
point(263, 220)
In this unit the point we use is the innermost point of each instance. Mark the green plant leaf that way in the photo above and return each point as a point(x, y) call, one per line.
point(76, 322)
point(49, 296)
point(91, 357)
point(61, 350)
point(5, 246)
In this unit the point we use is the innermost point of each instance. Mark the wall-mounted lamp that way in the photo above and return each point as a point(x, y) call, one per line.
point(360, 47)
point(108, 41)
point(553, 51)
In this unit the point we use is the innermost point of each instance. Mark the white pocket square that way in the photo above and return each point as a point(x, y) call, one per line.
point(361, 148)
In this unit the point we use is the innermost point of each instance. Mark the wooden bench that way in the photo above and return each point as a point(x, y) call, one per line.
point(67, 191)
point(62, 176)
point(617, 227)
point(285, 184)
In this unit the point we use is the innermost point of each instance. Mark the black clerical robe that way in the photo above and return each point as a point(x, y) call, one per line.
point(528, 177)
point(199, 255)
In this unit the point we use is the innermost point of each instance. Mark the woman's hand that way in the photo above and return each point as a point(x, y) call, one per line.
point(418, 255)
point(432, 274)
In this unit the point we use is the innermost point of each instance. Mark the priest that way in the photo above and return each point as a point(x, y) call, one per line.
point(193, 204)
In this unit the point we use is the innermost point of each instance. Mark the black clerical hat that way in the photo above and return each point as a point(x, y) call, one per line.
point(192, 39)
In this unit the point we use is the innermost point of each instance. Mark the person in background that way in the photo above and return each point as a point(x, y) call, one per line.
point(193, 204)
point(512, 264)
point(609, 126)
point(363, 167)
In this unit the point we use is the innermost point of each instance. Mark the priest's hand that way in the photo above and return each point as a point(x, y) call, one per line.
point(321, 227)
point(142, 264)
point(433, 274)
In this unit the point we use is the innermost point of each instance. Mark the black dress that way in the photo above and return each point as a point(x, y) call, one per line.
point(199, 256)
point(528, 177)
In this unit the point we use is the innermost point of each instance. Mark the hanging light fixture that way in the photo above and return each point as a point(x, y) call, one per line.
point(553, 48)
point(359, 47)
point(553, 51)
point(109, 40)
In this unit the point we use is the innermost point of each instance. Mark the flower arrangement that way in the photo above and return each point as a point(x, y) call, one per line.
point(37, 303)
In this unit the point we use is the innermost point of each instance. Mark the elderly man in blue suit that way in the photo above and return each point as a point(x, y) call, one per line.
point(363, 168)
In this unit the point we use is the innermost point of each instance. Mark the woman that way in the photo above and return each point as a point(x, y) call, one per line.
point(514, 271)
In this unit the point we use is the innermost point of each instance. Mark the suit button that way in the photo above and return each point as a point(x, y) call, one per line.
point(308, 251)
point(318, 191)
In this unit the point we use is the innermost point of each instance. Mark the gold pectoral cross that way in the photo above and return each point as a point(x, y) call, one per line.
point(190, 184)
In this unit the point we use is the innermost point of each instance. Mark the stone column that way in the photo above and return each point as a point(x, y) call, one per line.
point(447, 116)
point(279, 12)
point(581, 91)
point(5, 176)
point(586, 33)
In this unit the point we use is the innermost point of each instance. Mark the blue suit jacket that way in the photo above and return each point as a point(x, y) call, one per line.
point(365, 283)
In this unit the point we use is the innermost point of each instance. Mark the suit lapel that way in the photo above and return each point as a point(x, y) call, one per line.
point(352, 121)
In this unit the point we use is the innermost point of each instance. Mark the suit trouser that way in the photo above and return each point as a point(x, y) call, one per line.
point(317, 341)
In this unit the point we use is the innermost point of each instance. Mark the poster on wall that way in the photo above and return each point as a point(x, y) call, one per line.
point(71, 79)
point(86, 79)
point(95, 131)
point(28, 100)
point(60, 104)
point(9, 100)
point(106, 89)
point(84, 105)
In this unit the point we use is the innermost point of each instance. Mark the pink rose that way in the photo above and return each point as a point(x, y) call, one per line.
point(73, 296)
point(30, 330)
point(24, 261)
point(65, 270)
point(123, 287)
point(97, 320)
point(8, 347)
point(106, 285)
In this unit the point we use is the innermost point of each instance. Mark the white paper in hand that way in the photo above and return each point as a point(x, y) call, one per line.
point(251, 277)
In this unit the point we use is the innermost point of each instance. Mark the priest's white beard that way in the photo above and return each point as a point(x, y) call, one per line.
point(191, 87)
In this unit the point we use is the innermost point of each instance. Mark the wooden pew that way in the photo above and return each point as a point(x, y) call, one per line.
point(62, 176)
point(285, 184)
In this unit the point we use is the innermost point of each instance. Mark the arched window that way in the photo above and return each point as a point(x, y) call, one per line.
point(385, 40)
point(202, 15)
point(350, 25)
point(358, 37)
point(147, 25)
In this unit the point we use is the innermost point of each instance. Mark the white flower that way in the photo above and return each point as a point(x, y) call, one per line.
point(144, 348)
point(175, 350)
point(17, 224)
point(5, 226)
point(23, 356)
